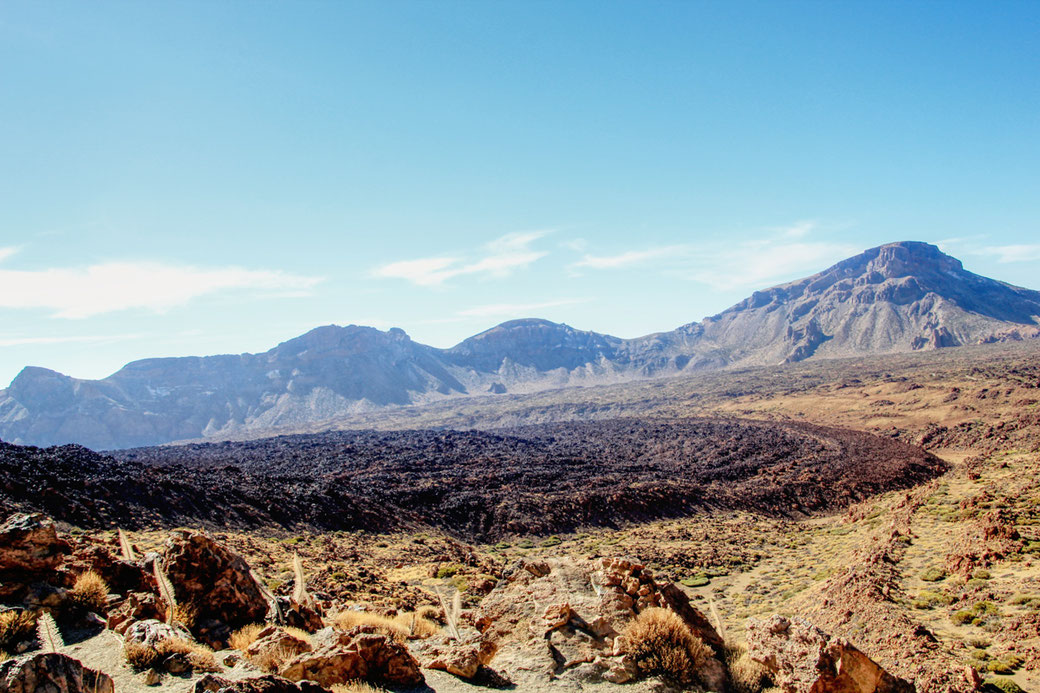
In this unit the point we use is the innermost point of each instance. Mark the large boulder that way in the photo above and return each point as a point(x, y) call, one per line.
point(30, 551)
point(356, 654)
point(803, 659)
point(562, 618)
point(51, 673)
point(216, 581)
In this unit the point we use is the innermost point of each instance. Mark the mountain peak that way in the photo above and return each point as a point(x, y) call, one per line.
point(900, 259)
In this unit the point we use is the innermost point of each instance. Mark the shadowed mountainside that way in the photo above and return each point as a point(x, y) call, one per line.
point(900, 297)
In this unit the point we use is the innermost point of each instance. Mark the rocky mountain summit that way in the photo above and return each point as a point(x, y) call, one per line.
point(898, 297)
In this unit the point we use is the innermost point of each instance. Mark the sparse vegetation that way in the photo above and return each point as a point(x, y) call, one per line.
point(141, 657)
point(90, 592)
point(660, 644)
point(16, 627)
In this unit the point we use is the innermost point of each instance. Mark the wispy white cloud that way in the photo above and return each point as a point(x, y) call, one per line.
point(627, 258)
point(115, 286)
point(74, 339)
point(781, 253)
point(1026, 252)
point(499, 258)
point(7, 252)
point(516, 308)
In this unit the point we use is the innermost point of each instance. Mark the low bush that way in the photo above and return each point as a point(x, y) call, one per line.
point(660, 644)
point(90, 593)
point(16, 627)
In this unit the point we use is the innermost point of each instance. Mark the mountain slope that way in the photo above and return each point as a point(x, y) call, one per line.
point(894, 298)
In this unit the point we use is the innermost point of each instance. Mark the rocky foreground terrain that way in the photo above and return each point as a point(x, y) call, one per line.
point(897, 298)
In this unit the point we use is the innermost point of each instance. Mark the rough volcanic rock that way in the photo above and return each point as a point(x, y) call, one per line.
point(990, 538)
point(51, 673)
point(215, 580)
point(360, 655)
point(802, 659)
point(30, 550)
point(152, 632)
point(559, 618)
point(260, 684)
point(560, 477)
point(272, 639)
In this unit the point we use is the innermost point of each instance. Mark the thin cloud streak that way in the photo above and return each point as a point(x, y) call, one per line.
point(516, 308)
point(76, 293)
point(1013, 253)
point(782, 253)
point(501, 257)
point(81, 339)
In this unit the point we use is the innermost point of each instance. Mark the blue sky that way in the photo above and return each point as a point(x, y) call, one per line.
point(217, 177)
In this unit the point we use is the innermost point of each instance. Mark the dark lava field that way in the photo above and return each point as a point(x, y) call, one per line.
point(479, 485)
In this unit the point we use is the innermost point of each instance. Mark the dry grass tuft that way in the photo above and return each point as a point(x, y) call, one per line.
point(356, 687)
point(141, 657)
point(746, 675)
point(345, 620)
point(418, 623)
point(245, 636)
point(90, 592)
point(16, 627)
point(271, 661)
point(662, 645)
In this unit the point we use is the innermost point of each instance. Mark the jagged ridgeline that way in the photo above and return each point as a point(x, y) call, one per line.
point(900, 297)
point(479, 485)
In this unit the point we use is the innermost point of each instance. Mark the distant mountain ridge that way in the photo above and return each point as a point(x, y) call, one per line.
point(897, 297)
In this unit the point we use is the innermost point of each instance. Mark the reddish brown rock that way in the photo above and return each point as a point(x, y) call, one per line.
point(272, 639)
point(561, 618)
point(213, 579)
point(138, 606)
point(51, 673)
point(803, 659)
point(30, 550)
point(364, 655)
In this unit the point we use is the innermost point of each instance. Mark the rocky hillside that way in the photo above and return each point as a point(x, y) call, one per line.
point(899, 297)
point(531, 480)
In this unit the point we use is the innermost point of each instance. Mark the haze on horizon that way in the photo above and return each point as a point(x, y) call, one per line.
point(198, 178)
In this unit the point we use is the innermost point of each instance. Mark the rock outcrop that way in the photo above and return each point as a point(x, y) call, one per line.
point(30, 551)
point(358, 653)
point(559, 618)
point(215, 581)
point(803, 659)
point(51, 673)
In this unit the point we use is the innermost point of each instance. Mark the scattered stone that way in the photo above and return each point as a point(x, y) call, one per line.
point(260, 684)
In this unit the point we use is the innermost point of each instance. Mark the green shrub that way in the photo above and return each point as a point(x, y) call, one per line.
point(552, 541)
point(933, 574)
point(698, 580)
point(1006, 685)
point(447, 571)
